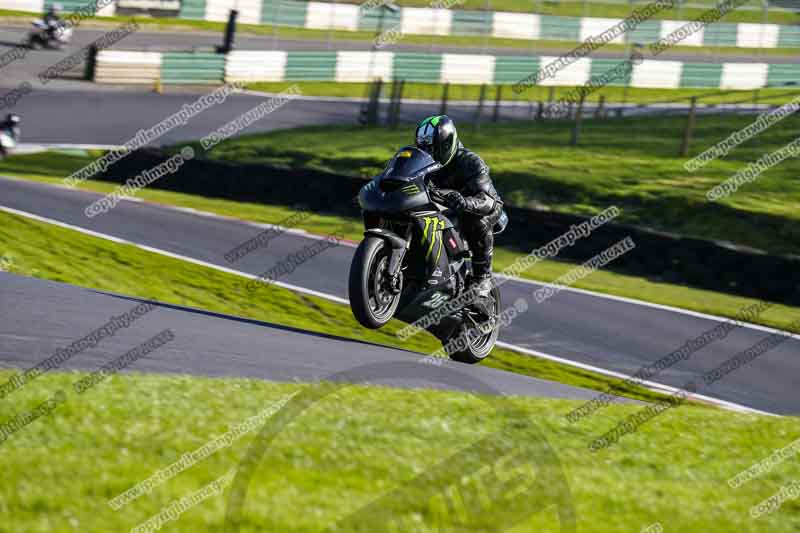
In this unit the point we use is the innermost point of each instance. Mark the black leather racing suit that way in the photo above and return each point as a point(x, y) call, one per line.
point(53, 23)
point(14, 129)
point(469, 175)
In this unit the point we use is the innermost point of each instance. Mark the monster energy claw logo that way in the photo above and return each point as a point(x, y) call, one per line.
point(435, 225)
point(410, 190)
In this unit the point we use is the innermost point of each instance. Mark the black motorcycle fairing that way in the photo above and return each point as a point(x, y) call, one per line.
point(410, 162)
point(422, 253)
point(401, 186)
point(372, 199)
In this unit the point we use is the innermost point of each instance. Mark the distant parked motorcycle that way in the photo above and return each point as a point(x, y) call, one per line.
point(49, 35)
point(414, 263)
point(9, 134)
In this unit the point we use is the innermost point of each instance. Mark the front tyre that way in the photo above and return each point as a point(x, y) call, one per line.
point(478, 346)
point(371, 297)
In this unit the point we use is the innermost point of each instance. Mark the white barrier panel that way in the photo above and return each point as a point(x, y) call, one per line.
point(425, 21)
point(107, 11)
point(364, 66)
point(575, 74)
point(757, 35)
point(165, 5)
point(743, 75)
point(516, 25)
point(324, 16)
point(249, 10)
point(464, 68)
point(255, 66)
point(34, 6)
point(114, 66)
point(695, 39)
point(593, 27)
point(657, 74)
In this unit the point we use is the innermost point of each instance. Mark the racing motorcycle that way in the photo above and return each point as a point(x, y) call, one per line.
point(413, 261)
point(8, 141)
point(41, 37)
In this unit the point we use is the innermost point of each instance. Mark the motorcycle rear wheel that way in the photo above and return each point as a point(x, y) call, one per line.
point(479, 348)
point(34, 43)
point(371, 301)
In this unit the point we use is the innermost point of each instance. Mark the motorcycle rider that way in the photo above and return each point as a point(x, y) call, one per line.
point(473, 198)
point(10, 127)
point(52, 20)
point(11, 123)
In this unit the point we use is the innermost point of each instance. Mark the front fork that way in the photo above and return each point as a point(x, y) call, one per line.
point(399, 248)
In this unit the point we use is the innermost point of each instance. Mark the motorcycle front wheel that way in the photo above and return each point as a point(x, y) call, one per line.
point(371, 299)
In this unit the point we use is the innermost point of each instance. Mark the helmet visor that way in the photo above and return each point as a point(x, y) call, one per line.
point(425, 138)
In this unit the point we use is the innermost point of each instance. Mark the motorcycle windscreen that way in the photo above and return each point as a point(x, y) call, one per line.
point(409, 162)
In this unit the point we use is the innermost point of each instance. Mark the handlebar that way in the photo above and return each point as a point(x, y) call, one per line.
point(437, 194)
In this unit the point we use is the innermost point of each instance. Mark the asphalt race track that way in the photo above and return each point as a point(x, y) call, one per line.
point(111, 117)
point(611, 334)
point(604, 332)
point(114, 117)
point(37, 317)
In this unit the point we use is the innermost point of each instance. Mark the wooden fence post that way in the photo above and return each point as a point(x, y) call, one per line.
point(576, 127)
point(687, 134)
point(755, 110)
point(601, 107)
point(369, 114)
point(445, 91)
point(398, 100)
point(392, 99)
point(479, 111)
point(497, 98)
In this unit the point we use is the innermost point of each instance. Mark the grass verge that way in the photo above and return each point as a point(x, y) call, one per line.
point(538, 93)
point(45, 251)
point(533, 165)
point(360, 443)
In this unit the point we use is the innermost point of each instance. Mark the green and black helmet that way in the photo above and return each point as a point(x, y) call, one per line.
point(437, 135)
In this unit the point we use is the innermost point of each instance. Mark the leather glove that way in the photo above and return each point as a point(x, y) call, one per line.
point(455, 201)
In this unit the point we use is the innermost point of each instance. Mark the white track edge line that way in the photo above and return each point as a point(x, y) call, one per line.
point(166, 253)
point(657, 386)
point(662, 307)
point(314, 236)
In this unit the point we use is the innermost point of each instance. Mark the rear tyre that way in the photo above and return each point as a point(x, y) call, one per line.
point(478, 347)
point(34, 43)
point(371, 299)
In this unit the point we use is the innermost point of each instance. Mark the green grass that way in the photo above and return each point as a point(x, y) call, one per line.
point(575, 8)
point(533, 165)
point(533, 95)
point(361, 443)
point(48, 252)
point(282, 32)
point(48, 169)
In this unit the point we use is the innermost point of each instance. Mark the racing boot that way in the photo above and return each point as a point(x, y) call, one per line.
point(482, 279)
